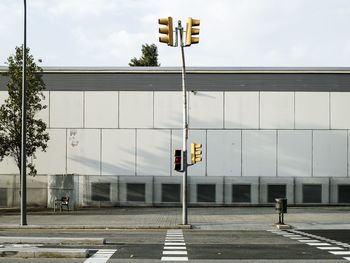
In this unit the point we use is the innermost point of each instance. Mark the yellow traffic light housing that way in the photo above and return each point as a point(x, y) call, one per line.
point(167, 31)
point(190, 31)
point(196, 152)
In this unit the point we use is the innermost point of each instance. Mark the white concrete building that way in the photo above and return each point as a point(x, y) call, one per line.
point(266, 133)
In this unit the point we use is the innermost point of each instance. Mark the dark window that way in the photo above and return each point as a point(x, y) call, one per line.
point(275, 191)
point(100, 191)
point(3, 196)
point(241, 193)
point(312, 193)
point(344, 193)
point(170, 192)
point(136, 192)
point(206, 193)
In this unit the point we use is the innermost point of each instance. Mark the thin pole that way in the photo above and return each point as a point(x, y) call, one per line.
point(185, 131)
point(24, 128)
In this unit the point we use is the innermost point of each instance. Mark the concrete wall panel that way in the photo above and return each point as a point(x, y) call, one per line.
point(136, 109)
point(259, 153)
point(312, 110)
point(294, 153)
point(118, 152)
point(340, 108)
point(168, 109)
point(53, 161)
point(8, 166)
point(66, 109)
point(101, 109)
point(330, 153)
point(277, 110)
point(83, 151)
point(242, 110)
point(153, 152)
point(206, 110)
point(224, 153)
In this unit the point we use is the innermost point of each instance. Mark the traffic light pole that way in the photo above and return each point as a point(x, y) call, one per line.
point(23, 175)
point(185, 130)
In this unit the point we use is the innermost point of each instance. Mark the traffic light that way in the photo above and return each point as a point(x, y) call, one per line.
point(196, 152)
point(167, 30)
point(177, 160)
point(190, 31)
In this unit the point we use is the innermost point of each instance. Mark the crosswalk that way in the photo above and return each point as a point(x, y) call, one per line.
point(325, 244)
point(174, 246)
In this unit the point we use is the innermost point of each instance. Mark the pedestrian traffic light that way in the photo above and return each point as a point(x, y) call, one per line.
point(177, 160)
point(196, 152)
point(167, 31)
point(190, 31)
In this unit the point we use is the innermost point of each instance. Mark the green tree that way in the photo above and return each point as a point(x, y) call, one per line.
point(10, 111)
point(149, 57)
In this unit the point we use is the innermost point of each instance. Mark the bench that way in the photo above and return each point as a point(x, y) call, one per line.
point(62, 203)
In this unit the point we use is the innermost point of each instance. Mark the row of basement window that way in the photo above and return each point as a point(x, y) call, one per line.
point(241, 193)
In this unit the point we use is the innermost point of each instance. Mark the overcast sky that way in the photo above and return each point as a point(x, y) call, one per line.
point(233, 32)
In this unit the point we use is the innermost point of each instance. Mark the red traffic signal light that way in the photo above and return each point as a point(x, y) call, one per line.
point(177, 160)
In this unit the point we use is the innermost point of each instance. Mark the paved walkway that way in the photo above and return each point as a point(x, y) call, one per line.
point(215, 218)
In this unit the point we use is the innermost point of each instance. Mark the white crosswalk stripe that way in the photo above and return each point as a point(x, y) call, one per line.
point(101, 256)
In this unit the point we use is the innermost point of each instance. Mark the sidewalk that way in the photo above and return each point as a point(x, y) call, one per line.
point(212, 218)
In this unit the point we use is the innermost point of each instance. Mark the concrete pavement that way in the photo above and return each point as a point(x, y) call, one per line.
point(206, 218)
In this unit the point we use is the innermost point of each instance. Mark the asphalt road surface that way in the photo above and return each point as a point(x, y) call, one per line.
point(321, 246)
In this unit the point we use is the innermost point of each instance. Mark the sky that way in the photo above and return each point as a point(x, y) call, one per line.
point(234, 33)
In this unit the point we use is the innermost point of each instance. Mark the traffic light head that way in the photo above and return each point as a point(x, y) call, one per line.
point(167, 31)
point(190, 31)
point(177, 160)
point(196, 152)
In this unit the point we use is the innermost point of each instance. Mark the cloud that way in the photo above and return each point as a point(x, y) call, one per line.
point(233, 32)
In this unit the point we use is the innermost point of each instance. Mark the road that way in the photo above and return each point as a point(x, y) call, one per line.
point(308, 246)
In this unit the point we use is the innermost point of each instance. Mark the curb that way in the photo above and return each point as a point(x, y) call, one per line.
point(44, 253)
point(92, 227)
point(51, 240)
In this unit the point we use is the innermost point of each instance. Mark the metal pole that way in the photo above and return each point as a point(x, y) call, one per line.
point(185, 131)
point(24, 129)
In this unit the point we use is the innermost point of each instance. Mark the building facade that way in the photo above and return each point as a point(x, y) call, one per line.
point(266, 133)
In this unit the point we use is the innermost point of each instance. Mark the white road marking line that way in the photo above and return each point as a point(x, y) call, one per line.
point(292, 235)
point(347, 258)
point(174, 252)
point(179, 248)
point(174, 244)
point(299, 238)
point(330, 248)
point(308, 240)
point(318, 244)
point(174, 259)
point(101, 256)
point(340, 253)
